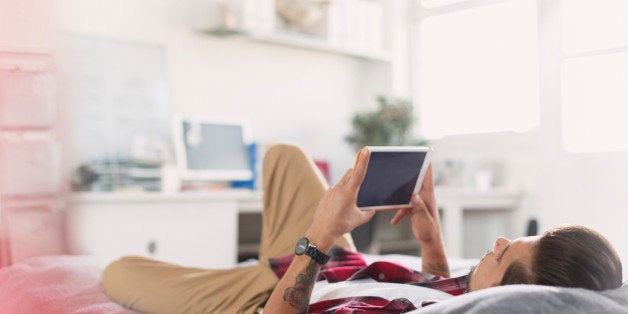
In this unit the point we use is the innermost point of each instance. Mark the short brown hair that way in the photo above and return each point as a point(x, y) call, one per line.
point(569, 256)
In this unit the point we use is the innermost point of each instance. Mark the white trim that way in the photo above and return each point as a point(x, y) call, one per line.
point(415, 68)
point(550, 68)
point(596, 52)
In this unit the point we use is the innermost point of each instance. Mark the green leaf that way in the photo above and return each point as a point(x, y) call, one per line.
point(390, 124)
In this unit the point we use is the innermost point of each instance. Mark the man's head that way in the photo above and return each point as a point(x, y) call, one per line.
point(566, 256)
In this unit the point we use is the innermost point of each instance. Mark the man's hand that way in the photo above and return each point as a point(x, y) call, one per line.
point(337, 212)
point(423, 213)
point(426, 227)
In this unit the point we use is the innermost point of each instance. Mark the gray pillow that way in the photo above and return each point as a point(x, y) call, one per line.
point(534, 299)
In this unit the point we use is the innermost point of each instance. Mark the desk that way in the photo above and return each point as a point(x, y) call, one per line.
point(201, 229)
point(192, 229)
point(453, 202)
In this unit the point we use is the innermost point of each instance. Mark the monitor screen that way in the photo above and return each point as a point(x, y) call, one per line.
point(214, 150)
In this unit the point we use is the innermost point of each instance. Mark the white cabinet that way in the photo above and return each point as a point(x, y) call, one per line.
point(456, 203)
point(198, 230)
point(470, 219)
point(201, 229)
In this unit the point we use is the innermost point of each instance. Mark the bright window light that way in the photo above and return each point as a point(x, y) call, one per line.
point(594, 103)
point(593, 24)
point(479, 70)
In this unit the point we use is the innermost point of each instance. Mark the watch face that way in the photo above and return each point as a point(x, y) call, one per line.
point(301, 246)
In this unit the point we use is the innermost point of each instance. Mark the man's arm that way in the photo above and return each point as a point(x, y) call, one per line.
point(336, 215)
point(426, 227)
point(292, 293)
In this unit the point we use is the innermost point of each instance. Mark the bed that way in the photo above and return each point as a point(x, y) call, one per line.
point(55, 284)
point(71, 284)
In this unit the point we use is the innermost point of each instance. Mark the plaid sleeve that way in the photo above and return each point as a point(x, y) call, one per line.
point(373, 304)
point(340, 258)
point(363, 305)
point(389, 272)
point(393, 272)
point(453, 286)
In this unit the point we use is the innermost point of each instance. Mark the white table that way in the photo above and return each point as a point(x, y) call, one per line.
point(455, 201)
point(201, 229)
point(193, 229)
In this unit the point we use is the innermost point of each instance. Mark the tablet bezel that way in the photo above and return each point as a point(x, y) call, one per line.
point(421, 177)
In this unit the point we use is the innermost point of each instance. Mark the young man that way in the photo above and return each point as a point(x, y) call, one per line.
point(300, 208)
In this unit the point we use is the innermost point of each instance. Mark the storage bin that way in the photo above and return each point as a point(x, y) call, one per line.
point(30, 167)
point(32, 230)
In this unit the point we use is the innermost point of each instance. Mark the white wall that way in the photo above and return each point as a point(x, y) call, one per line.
point(286, 94)
point(589, 189)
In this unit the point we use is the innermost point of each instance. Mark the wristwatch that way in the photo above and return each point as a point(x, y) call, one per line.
point(305, 247)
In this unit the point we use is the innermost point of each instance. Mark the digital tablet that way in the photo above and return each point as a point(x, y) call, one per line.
point(394, 173)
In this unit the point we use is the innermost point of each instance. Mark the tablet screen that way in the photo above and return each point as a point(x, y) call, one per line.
point(390, 178)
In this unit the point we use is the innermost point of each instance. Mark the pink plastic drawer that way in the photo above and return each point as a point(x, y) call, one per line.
point(33, 231)
point(27, 91)
point(29, 168)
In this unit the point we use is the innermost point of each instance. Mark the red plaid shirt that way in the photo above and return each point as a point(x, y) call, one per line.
point(348, 265)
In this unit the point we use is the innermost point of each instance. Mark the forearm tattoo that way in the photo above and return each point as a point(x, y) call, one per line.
point(436, 269)
point(299, 295)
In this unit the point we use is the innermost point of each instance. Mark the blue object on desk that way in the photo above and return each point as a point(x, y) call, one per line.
point(249, 184)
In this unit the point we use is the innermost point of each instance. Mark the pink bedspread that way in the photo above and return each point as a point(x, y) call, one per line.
point(55, 284)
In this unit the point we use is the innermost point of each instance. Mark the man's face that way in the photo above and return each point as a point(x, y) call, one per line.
point(491, 269)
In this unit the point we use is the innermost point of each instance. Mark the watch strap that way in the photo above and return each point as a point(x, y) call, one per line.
point(316, 255)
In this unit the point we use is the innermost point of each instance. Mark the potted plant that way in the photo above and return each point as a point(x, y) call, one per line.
point(391, 124)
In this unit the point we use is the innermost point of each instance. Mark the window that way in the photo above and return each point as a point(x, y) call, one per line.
point(594, 39)
point(478, 69)
point(595, 106)
point(588, 25)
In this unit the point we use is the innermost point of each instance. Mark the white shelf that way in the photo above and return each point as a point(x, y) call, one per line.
point(251, 198)
point(311, 43)
point(303, 41)
point(474, 199)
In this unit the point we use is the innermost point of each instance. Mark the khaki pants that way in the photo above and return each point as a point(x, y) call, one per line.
point(293, 187)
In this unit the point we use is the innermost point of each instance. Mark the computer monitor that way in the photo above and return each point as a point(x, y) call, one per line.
point(212, 149)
